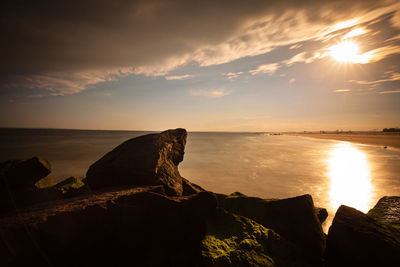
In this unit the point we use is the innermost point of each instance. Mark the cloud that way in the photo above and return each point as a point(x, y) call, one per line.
point(217, 93)
point(293, 80)
point(63, 83)
point(152, 37)
point(355, 32)
point(389, 76)
point(179, 77)
point(265, 69)
point(232, 75)
point(341, 90)
point(390, 92)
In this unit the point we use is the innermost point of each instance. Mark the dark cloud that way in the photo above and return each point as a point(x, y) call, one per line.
point(85, 42)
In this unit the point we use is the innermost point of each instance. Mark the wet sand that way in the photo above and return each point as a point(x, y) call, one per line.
point(390, 140)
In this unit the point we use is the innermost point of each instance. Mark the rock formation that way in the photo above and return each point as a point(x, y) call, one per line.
point(292, 218)
point(357, 239)
point(146, 160)
point(387, 210)
point(141, 212)
point(138, 227)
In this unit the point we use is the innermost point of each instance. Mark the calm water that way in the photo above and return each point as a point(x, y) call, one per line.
point(333, 172)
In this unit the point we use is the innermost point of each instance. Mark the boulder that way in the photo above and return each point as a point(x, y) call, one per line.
point(234, 240)
point(71, 187)
point(292, 218)
point(357, 239)
point(387, 210)
point(136, 226)
point(145, 160)
point(23, 174)
point(18, 180)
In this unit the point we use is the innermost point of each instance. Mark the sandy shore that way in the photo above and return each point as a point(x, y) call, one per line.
point(390, 140)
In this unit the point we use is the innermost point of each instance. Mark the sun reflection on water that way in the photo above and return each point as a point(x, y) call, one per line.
point(349, 173)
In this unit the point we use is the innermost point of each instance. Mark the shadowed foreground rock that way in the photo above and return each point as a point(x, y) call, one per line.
point(293, 218)
point(17, 182)
point(135, 227)
point(387, 210)
point(145, 160)
point(356, 239)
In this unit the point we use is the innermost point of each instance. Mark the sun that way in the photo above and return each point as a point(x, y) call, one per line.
point(347, 51)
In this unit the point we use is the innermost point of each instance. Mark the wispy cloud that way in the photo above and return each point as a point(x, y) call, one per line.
point(232, 75)
point(389, 76)
point(390, 92)
point(265, 69)
point(341, 90)
point(179, 77)
point(215, 93)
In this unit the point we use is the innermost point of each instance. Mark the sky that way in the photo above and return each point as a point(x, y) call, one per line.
point(201, 65)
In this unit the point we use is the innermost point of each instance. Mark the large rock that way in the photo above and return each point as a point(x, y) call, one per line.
point(23, 174)
point(146, 160)
point(356, 239)
point(139, 227)
point(17, 183)
point(387, 210)
point(234, 240)
point(292, 218)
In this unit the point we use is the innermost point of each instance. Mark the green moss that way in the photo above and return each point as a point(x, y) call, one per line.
point(45, 182)
point(233, 240)
point(71, 186)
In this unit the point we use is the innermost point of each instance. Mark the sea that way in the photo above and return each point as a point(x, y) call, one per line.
point(265, 165)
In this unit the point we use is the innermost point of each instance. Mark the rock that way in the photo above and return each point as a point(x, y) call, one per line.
point(70, 187)
point(135, 226)
point(45, 182)
point(18, 183)
point(292, 218)
point(24, 174)
point(322, 214)
point(357, 239)
point(387, 210)
point(146, 160)
point(234, 240)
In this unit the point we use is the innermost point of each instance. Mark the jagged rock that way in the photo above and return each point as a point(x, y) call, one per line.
point(292, 218)
point(135, 226)
point(387, 210)
point(146, 160)
point(17, 183)
point(234, 240)
point(322, 214)
point(22, 174)
point(356, 239)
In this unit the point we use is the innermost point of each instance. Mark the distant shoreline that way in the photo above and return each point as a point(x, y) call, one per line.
point(390, 140)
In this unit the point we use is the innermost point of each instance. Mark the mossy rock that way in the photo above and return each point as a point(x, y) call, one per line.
point(294, 219)
point(71, 186)
point(234, 240)
point(45, 182)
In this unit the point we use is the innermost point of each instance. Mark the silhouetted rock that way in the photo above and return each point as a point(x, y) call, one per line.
point(135, 227)
point(146, 160)
point(292, 218)
point(387, 210)
point(356, 239)
point(23, 174)
point(17, 183)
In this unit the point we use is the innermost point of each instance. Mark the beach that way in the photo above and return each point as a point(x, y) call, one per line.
point(390, 140)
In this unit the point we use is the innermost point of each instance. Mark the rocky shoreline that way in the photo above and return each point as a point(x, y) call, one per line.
point(134, 208)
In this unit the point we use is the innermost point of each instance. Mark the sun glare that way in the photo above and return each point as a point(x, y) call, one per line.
point(345, 52)
point(349, 52)
point(350, 178)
